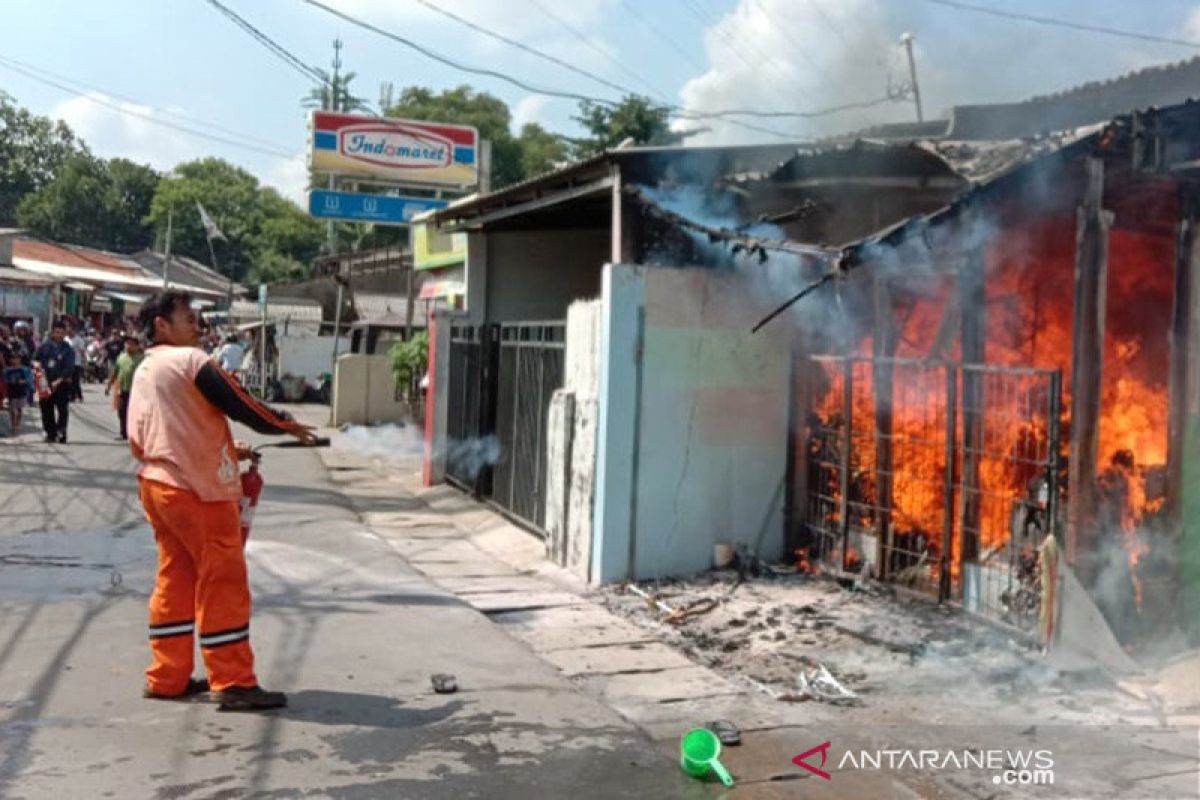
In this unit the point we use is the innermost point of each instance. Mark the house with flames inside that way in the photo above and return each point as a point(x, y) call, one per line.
point(949, 364)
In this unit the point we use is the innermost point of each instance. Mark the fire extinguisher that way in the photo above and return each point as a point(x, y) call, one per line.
point(252, 486)
point(252, 483)
point(41, 386)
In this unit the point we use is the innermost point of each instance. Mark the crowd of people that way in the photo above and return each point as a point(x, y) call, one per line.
point(49, 372)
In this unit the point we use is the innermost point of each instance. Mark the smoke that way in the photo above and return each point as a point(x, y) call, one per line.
point(805, 55)
point(800, 55)
point(404, 445)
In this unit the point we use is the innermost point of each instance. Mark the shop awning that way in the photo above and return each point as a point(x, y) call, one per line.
point(126, 297)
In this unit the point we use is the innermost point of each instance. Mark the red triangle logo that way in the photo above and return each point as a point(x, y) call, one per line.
point(800, 761)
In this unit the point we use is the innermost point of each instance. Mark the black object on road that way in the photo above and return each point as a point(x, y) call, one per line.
point(443, 683)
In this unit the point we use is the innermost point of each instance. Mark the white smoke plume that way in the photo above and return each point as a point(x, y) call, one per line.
point(804, 55)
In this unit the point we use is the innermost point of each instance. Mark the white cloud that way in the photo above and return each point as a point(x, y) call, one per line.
point(128, 133)
point(1191, 25)
point(528, 109)
point(289, 176)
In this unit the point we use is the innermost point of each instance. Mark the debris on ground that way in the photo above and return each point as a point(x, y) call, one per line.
point(857, 644)
point(726, 731)
point(444, 683)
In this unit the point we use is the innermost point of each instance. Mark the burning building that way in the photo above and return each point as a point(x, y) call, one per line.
point(1015, 365)
point(993, 352)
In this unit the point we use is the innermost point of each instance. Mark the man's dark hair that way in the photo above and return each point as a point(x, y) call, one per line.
point(162, 304)
point(58, 324)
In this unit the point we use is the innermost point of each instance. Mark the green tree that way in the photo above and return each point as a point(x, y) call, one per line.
point(72, 206)
point(333, 94)
point(637, 118)
point(464, 106)
point(132, 188)
point(32, 149)
point(541, 151)
point(266, 235)
point(93, 202)
point(409, 361)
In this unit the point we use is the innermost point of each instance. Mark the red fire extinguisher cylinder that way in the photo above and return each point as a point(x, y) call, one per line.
point(252, 486)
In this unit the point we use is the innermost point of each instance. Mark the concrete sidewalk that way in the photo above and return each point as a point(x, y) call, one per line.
point(341, 623)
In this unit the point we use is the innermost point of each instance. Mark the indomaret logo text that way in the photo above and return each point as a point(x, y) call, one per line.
point(395, 146)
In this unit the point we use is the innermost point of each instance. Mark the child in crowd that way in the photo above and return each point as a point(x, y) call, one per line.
point(18, 382)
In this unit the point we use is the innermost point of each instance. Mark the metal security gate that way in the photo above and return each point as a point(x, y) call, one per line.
point(500, 384)
point(940, 477)
point(530, 371)
point(466, 433)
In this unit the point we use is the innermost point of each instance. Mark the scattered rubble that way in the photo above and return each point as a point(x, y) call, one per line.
point(855, 644)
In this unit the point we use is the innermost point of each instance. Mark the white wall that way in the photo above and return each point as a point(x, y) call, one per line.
point(693, 423)
point(571, 441)
point(364, 391)
point(309, 356)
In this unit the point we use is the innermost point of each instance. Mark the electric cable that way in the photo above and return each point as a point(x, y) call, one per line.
point(583, 39)
point(271, 151)
point(279, 50)
point(1068, 24)
point(159, 111)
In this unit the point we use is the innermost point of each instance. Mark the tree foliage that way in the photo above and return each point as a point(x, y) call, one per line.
point(636, 118)
point(267, 236)
point(333, 94)
point(409, 361)
point(93, 202)
point(541, 151)
point(32, 150)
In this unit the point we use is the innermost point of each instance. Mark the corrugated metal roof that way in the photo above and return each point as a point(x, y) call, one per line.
point(386, 309)
point(295, 309)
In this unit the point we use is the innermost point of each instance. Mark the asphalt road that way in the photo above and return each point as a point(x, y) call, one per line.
point(341, 623)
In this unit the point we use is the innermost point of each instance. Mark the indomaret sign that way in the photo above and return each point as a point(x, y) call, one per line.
point(395, 150)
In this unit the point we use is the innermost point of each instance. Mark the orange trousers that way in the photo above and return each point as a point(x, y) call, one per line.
point(201, 585)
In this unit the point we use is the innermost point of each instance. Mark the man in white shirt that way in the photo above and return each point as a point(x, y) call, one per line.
point(230, 355)
point(79, 345)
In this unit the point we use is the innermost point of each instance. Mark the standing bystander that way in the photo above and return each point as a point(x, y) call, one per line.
point(122, 378)
point(57, 359)
point(18, 379)
point(79, 346)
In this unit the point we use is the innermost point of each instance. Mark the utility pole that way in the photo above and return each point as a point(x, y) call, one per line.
point(907, 39)
point(333, 103)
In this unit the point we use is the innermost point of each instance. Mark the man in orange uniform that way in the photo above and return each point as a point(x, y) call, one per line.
point(190, 487)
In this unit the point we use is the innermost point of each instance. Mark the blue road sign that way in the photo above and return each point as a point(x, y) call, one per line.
point(368, 207)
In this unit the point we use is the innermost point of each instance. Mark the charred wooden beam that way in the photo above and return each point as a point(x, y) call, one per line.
point(1087, 360)
point(1187, 252)
point(885, 341)
point(972, 311)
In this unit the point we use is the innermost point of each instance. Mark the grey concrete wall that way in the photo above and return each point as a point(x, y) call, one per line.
point(536, 275)
point(364, 391)
point(571, 444)
point(693, 424)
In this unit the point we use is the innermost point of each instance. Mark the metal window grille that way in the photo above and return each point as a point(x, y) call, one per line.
point(940, 477)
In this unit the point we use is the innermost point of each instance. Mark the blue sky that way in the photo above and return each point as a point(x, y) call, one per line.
point(183, 56)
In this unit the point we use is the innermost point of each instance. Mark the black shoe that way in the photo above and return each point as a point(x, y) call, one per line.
point(51, 438)
point(194, 687)
point(249, 698)
point(62, 438)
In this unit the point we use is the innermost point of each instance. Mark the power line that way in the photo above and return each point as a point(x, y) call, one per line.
point(159, 111)
point(1063, 23)
point(271, 151)
point(279, 50)
point(678, 48)
point(523, 47)
point(545, 9)
point(451, 62)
